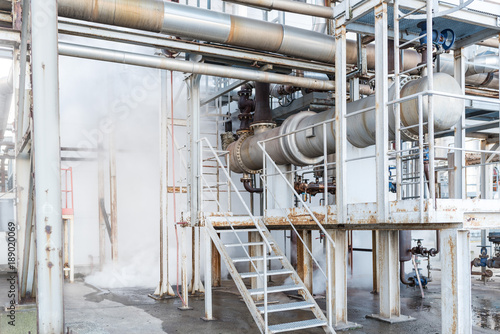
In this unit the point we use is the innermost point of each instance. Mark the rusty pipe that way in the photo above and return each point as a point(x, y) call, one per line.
point(262, 109)
point(196, 23)
point(247, 184)
point(402, 274)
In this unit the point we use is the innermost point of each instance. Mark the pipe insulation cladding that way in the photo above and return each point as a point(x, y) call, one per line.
point(306, 147)
point(196, 23)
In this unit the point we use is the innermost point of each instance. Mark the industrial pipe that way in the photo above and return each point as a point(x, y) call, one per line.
point(289, 6)
point(402, 275)
point(306, 147)
point(485, 62)
point(206, 25)
point(87, 52)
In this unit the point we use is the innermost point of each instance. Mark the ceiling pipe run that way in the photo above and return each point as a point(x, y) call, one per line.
point(306, 147)
point(289, 6)
point(206, 25)
point(87, 52)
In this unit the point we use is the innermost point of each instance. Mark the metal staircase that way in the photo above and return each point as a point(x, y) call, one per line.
point(270, 252)
point(257, 254)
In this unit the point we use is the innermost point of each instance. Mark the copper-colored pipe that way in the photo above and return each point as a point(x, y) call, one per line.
point(249, 187)
point(402, 274)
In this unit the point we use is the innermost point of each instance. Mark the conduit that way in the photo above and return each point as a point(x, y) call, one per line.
point(73, 50)
point(211, 26)
point(306, 147)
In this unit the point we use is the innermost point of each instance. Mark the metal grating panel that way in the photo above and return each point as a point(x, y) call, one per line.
point(462, 30)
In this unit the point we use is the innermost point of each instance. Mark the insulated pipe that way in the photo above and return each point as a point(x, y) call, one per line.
point(306, 147)
point(206, 25)
point(289, 6)
point(87, 52)
point(483, 63)
point(197, 23)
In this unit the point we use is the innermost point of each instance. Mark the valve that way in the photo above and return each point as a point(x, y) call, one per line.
point(444, 39)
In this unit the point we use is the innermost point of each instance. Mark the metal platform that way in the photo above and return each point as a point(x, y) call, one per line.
point(405, 215)
point(476, 22)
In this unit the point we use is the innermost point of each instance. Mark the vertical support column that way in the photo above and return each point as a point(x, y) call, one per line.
point(455, 282)
point(374, 262)
point(28, 259)
point(100, 203)
point(338, 304)
point(337, 254)
point(388, 270)
point(458, 185)
point(387, 253)
point(184, 269)
point(194, 175)
point(256, 282)
point(196, 285)
point(208, 276)
point(381, 112)
point(164, 289)
point(50, 310)
point(71, 250)
point(216, 266)
point(304, 259)
point(113, 199)
point(66, 247)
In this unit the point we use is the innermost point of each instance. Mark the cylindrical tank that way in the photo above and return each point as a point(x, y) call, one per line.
point(306, 147)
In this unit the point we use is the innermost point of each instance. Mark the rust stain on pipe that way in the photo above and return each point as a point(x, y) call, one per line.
point(136, 14)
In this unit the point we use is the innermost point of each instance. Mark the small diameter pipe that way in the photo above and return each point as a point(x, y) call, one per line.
point(247, 183)
point(402, 275)
point(79, 51)
point(289, 6)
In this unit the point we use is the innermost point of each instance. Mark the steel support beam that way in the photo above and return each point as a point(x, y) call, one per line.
point(458, 186)
point(164, 289)
point(338, 285)
point(100, 201)
point(50, 315)
point(456, 311)
point(388, 240)
point(304, 259)
point(113, 197)
point(256, 282)
point(208, 275)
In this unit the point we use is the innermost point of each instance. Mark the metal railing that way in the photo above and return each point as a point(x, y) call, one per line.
point(262, 276)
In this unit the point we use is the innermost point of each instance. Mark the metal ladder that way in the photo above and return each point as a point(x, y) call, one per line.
point(260, 313)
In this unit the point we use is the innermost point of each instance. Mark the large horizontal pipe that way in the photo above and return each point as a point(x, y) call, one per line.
point(306, 147)
point(87, 52)
point(289, 6)
point(201, 24)
point(206, 25)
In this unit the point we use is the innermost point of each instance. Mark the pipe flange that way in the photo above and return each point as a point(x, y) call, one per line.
point(406, 133)
point(262, 126)
point(289, 143)
point(237, 149)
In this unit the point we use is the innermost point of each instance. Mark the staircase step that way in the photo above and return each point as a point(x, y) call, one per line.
point(274, 289)
point(297, 325)
point(256, 258)
point(238, 230)
point(260, 243)
point(269, 273)
point(286, 307)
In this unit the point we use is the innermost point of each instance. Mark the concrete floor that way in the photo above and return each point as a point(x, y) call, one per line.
point(129, 310)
